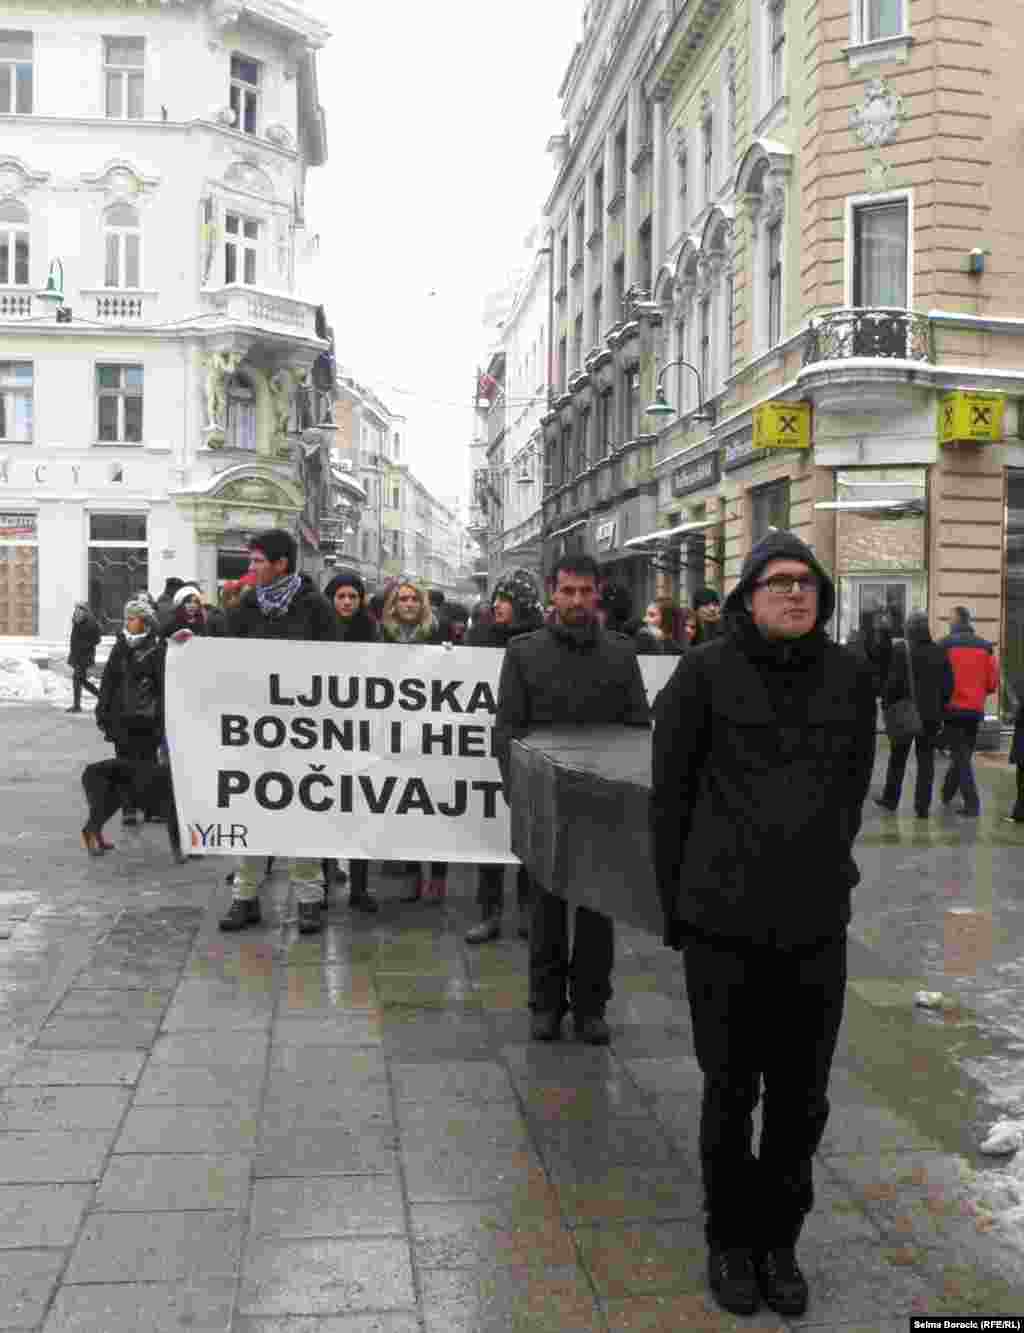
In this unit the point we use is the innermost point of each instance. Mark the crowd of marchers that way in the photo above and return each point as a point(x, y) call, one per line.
point(763, 750)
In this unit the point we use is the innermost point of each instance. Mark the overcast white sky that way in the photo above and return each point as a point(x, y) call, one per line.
point(437, 120)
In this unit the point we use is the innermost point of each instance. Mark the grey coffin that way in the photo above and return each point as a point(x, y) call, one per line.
point(579, 810)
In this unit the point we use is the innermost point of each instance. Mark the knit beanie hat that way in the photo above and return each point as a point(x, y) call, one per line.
point(521, 590)
point(141, 609)
point(186, 591)
point(705, 597)
point(345, 578)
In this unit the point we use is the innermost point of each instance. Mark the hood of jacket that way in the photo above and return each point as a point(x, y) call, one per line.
point(777, 546)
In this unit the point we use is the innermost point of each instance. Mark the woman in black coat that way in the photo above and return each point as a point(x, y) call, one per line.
point(346, 593)
point(85, 635)
point(130, 707)
point(933, 689)
point(654, 637)
point(1016, 815)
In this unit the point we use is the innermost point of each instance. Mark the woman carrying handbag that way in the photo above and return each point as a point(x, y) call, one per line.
point(917, 688)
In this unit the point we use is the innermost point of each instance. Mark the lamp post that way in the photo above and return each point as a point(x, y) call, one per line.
point(53, 292)
point(661, 407)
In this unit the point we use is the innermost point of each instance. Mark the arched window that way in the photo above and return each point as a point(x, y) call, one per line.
point(761, 182)
point(14, 245)
point(123, 240)
point(241, 414)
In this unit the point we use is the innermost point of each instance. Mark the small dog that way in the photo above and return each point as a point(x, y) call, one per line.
point(112, 784)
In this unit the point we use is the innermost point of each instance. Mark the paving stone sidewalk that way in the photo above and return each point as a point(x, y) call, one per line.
point(351, 1133)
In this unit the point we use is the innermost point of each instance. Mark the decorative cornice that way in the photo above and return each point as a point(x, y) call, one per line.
point(16, 176)
point(121, 179)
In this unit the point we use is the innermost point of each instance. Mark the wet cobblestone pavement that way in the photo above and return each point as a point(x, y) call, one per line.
point(351, 1133)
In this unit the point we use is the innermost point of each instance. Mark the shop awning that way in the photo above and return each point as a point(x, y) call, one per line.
point(663, 534)
point(908, 506)
point(580, 522)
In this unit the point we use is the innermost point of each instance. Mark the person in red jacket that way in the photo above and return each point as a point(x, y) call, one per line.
point(975, 677)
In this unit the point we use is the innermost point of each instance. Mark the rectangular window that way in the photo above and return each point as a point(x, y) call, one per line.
point(577, 343)
point(580, 232)
point(16, 401)
point(598, 197)
point(730, 327)
point(118, 565)
point(880, 253)
point(880, 19)
point(13, 257)
point(245, 93)
point(395, 498)
point(123, 265)
point(119, 404)
point(597, 314)
point(618, 290)
point(709, 158)
point(645, 273)
point(620, 161)
point(647, 124)
point(15, 73)
point(563, 262)
point(563, 369)
point(682, 374)
point(124, 60)
point(769, 508)
point(241, 246)
point(684, 188)
point(776, 50)
point(774, 247)
point(19, 574)
point(705, 347)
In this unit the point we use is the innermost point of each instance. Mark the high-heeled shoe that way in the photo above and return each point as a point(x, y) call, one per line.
point(92, 843)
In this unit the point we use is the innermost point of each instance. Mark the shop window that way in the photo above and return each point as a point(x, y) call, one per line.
point(19, 575)
point(124, 60)
point(118, 565)
point(241, 413)
point(769, 510)
point(119, 404)
point(245, 93)
point(16, 60)
point(16, 401)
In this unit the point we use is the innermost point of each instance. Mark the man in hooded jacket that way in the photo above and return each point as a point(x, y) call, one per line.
point(763, 749)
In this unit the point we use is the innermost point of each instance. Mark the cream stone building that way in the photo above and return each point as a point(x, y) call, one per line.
point(153, 162)
point(824, 226)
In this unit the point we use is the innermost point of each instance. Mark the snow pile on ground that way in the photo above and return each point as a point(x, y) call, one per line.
point(22, 681)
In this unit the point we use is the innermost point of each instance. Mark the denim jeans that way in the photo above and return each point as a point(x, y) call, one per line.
point(963, 736)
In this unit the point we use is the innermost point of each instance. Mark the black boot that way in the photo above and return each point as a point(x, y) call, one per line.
point(359, 897)
point(781, 1282)
point(733, 1280)
point(242, 912)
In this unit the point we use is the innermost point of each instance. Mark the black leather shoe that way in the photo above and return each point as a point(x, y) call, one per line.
point(545, 1026)
point(311, 920)
point(242, 912)
point(885, 805)
point(592, 1029)
point(781, 1283)
point(733, 1280)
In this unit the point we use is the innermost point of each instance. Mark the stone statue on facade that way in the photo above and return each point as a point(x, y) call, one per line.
point(220, 366)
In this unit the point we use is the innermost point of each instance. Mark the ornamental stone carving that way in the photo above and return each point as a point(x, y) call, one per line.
point(680, 144)
point(220, 366)
point(249, 175)
point(879, 118)
point(280, 135)
point(282, 389)
point(16, 178)
point(225, 13)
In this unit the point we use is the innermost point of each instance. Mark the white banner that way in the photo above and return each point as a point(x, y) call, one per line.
point(277, 751)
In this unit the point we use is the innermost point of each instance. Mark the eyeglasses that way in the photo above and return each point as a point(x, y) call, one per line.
point(781, 585)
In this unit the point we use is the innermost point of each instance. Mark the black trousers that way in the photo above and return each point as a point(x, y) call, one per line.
point(490, 889)
point(1018, 806)
point(80, 681)
point(767, 1016)
point(560, 981)
point(924, 746)
point(124, 784)
point(963, 736)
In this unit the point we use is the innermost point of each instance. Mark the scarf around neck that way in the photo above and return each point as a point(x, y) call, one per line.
point(275, 599)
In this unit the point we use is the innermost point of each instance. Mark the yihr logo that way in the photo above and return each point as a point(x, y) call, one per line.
point(219, 835)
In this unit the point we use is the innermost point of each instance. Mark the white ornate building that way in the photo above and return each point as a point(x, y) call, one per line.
point(159, 153)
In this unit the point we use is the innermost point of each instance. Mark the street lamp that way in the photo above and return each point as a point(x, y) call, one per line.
point(53, 293)
point(661, 407)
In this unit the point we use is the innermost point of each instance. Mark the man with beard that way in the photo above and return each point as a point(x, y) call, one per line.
point(764, 741)
point(570, 673)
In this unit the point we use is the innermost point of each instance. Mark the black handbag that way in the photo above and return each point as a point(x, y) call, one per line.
point(902, 718)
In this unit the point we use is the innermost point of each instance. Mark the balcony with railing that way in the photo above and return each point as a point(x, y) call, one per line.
point(112, 306)
point(859, 332)
point(275, 311)
point(15, 303)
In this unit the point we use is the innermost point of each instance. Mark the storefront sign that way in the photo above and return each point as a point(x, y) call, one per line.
point(740, 450)
point(782, 426)
point(966, 415)
point(604, 535)
point(389, 758)
point(696, 475)
point(18, 527)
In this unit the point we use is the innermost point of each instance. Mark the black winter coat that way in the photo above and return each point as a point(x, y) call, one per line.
point(499, 636)
point(762, 757)
point(558, 677)
point(131, 698)
point(933, 679)
point(648, 644)
point(85, 635)
point(309, 617)
point(361, 628)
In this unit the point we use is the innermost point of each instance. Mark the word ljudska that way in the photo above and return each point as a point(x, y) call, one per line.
point(411, 694)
